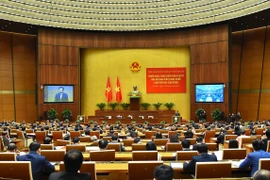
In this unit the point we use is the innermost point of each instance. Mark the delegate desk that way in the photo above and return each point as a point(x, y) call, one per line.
point(119, 170)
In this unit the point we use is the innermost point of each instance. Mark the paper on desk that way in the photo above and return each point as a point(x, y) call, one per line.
point(219, 155)
point(177, 165)
point(236, 163)
point(59, 147)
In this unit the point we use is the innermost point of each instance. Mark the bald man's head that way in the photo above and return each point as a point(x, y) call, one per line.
point(262, 175)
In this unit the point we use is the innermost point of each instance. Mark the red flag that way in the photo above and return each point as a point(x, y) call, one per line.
point(118, 92)
point(108, 91)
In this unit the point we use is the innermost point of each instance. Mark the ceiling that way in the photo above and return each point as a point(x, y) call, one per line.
point(247, 22)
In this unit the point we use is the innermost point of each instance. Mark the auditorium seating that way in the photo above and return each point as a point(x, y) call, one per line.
point(40, 136)
point(74, 134)
point(234, 154)
point(104, 155)
point(213, 170)
point(185, 155)
point(53, 155)
point(57, 135)
point(173, 147)
point(46, 146)
point(79, 147)
point(115, 146)
point(6, 156)
point(138, 147)
point(144, 155)
point(142, 170)
point(16, 170)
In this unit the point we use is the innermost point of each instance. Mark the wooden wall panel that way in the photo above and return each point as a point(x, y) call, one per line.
point(254, 84)
point(59, 48)
point(17, 77)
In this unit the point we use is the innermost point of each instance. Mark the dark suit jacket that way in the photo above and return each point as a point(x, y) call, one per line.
point(69, 176)
point(204, 157)
point(64, 97)
point(252, 161)
point(39, 164)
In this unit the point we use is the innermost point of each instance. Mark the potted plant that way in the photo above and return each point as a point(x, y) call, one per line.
point(145, 105)
point(163, 122)
point(67, 114)
point(157, 105)
point(146, 122)
point(91, 122)
point(52, 114)
point(104, 122)
point(113, 105)
point(216, 114)
point(124, 105)
point(133, 122)
point(169, 105)
point(201, 115)
point(66, 121)
point(118, 122)
point(101, 106)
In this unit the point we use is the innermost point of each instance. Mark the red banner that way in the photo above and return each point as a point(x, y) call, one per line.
point(166, 80)
point(108, 91)
point(118, 92)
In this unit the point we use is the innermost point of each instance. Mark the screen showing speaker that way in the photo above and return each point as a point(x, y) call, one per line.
point(209, 93)
point(58, 93)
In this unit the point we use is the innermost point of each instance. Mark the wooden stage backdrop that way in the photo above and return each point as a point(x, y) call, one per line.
point(59, 57)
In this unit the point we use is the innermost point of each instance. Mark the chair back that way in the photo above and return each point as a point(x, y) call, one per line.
point(74, 134)
point(79, 147)
point(264, 163)
point(53, 155)
point(46, 146)
point(96, 133)
point(230, 132)
point(105, 155)
point(40, 136)
point(7, 156)
point(213, 169)
point(208, 136)
point(170, 133)
point(29, 130)
point(248, 140)
point(61, 142)
point(200, 130)
point(234, 153)
point(191, 140)
point(144, 155)
point(2, 145)
point(20, 135)
point(115, 146)
point(142, 170)
point(229, 136)
point(138, 147)
point(57, 135)
point(268, 146)
point(85, 139)
point(108, 138)
point(259, 131)
point(212, 146)
point(149, 134)
point(128, 142)
point(16, 170)
point(185, 155)
point(173, 147)
point(87, 167)
point(160, 142)
point(247, 132)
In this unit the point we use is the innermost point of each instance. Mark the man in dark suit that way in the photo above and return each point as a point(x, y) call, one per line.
point(61, 96)
point(203, 156)
point(73, 160)
point(115, 140)
point(39, 164)
point(252, 159)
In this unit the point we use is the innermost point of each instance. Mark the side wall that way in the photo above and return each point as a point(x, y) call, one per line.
point(17, 77)
point(59, 57)
point(250, 73)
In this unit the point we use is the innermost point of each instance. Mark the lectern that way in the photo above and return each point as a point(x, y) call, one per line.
point(134, 103)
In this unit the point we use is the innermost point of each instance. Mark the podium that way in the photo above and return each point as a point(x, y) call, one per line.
point(134, 103)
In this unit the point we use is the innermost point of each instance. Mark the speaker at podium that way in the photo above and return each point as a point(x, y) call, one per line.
point(176, 119)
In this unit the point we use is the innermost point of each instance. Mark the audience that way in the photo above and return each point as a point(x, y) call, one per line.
point(252, 159)
point(39, 164)
point(13, 148)
point(203, 156)
point(76, 140)
point(233, 144)
point(199, 140)
point(150, 146)
point(265, 140)
point(102, 144)
point(185, 145)
point(73, 160)
point(115, 140)
point(163, 172)
point(261, 175)
point(47, 140)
